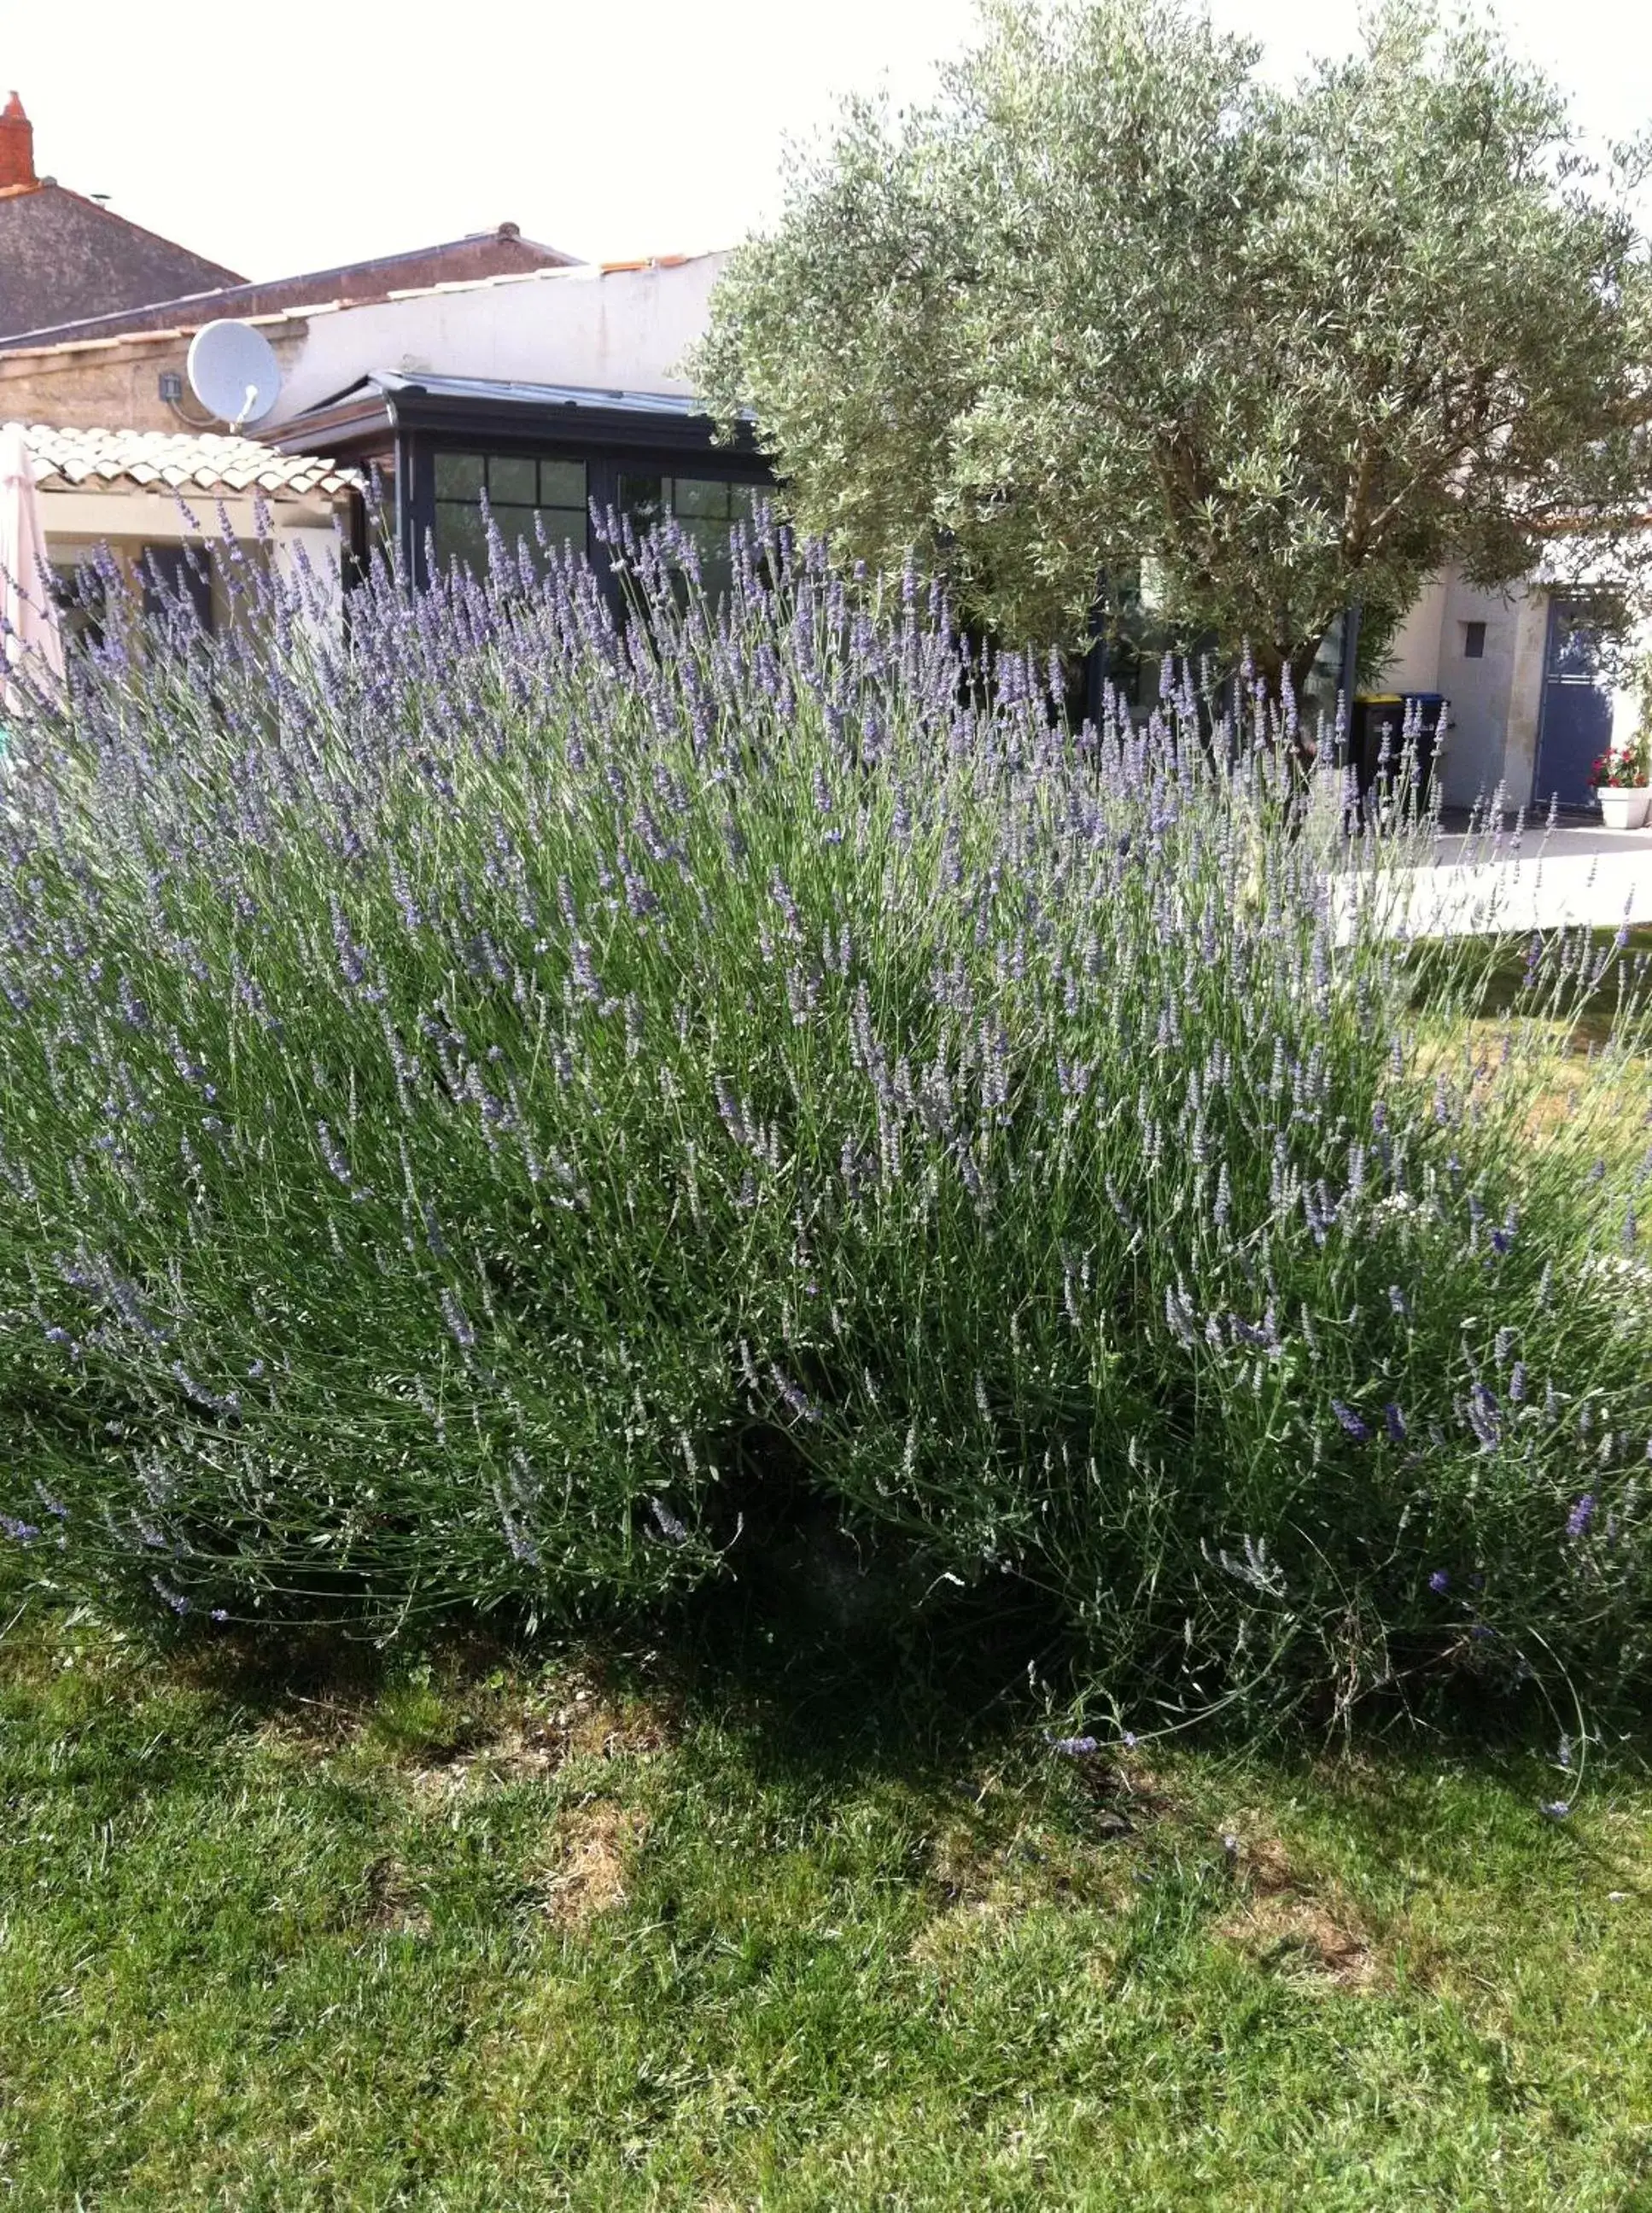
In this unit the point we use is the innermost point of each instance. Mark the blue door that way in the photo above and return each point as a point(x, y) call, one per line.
point(1575, 726)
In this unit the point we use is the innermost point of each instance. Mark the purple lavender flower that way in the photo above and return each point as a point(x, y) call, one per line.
point(1073, 1748)
point(584, 972)
point(336, 1164)
point(352, 962)
point(797, 1402)
point(1582, 1514)
point(669, 1525)
point(458, 1326)
point(1358, 1429)
point(1439, 1582)
point(1483, 1418)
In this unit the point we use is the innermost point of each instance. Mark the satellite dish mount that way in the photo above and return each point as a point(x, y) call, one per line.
point(233, 372)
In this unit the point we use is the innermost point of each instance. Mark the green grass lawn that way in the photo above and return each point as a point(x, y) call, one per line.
point(488, 1933)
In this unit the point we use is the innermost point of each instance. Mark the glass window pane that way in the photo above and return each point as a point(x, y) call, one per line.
point(516, 527)
point(458, 476)
point(710, 542)
point(642, 499)
point(700, 497)
point(561, 483)
point(511, 480)
point(562, 526)
point(461, 536)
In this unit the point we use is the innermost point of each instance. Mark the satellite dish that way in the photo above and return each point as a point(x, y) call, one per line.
point(233, 372)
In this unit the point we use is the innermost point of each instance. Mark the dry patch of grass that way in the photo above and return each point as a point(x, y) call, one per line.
point(584, 1725)
point(1562, 1081)
point(591, 1846)
point(1288, 1925)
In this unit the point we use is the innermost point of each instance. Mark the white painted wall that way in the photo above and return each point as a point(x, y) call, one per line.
point(1413, 662)
point(1496, 699)
point(301, 535)
point(627, 330)
point(156, 515)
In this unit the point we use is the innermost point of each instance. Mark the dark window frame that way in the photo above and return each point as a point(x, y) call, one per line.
point(611, 434)
point(606, 465)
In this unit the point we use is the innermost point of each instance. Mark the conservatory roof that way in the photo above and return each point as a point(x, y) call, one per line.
point(477, 406)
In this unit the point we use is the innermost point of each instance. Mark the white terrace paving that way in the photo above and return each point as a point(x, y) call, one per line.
point(1572, 876)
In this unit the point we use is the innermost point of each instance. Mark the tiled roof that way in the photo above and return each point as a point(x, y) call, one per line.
point(177, 461)
point(62, 256)
point(500, 252)
point(30, 345)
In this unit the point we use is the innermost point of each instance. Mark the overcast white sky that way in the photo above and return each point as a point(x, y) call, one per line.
point(279, 139)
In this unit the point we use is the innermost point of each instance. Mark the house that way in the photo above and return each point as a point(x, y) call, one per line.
point(530, 382)
point(537, 398)
point(126, 455)
point(150, 505)
point(126, 369)
point(502, 251)
point(1534, 700)
point(63, 255)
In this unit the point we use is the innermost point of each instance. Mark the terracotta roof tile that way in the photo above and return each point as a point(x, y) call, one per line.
point(197, 460)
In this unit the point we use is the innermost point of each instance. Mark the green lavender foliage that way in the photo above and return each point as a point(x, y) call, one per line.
point(496, 1111)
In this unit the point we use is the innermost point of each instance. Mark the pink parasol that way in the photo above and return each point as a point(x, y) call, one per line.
point(31, 642)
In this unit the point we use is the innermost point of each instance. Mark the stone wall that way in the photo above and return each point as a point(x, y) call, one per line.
point(112, 384)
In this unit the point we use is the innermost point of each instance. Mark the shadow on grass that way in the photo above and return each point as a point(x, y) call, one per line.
point(818, 1688)
point(1496, 972)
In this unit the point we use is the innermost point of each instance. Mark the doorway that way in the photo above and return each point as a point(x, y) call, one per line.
point(1575, 724)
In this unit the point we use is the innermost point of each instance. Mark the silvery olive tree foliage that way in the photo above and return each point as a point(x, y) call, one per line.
point(1112, 302)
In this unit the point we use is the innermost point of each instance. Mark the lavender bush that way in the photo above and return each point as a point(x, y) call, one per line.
point(482, 1108)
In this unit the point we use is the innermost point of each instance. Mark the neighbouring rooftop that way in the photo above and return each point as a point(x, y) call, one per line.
point(478, 257)
point(181, 461)
point(63, 255)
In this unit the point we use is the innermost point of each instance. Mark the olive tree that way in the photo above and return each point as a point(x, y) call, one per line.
point(1113, 304)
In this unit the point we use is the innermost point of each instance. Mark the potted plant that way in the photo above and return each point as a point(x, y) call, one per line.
point(1623, 775)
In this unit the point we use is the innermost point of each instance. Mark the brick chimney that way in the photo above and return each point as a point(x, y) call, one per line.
point(16, 148)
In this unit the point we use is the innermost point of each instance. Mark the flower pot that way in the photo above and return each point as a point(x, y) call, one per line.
point(1623, 807)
